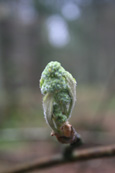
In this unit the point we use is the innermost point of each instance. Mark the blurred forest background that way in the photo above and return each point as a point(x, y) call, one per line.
point(80, 34)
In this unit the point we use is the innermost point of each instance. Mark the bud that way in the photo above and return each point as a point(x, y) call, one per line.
point(59, 89)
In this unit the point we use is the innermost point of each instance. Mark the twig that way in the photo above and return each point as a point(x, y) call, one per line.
point(84, 154)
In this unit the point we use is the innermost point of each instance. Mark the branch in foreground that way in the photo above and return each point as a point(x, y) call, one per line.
point(84, 154)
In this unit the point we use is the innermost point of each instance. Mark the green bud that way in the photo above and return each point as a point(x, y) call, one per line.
point(59, 90)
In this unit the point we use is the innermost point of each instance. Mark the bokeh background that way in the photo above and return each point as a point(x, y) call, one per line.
point(80, 34)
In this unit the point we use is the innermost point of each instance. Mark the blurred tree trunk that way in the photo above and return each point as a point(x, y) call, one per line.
point(8, 74)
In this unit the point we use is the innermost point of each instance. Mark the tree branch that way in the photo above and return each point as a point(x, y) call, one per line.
point(84, 154)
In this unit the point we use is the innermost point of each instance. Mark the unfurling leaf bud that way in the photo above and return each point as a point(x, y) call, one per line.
point(59, 89)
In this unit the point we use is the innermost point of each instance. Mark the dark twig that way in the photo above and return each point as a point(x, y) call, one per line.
point(84, 154)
